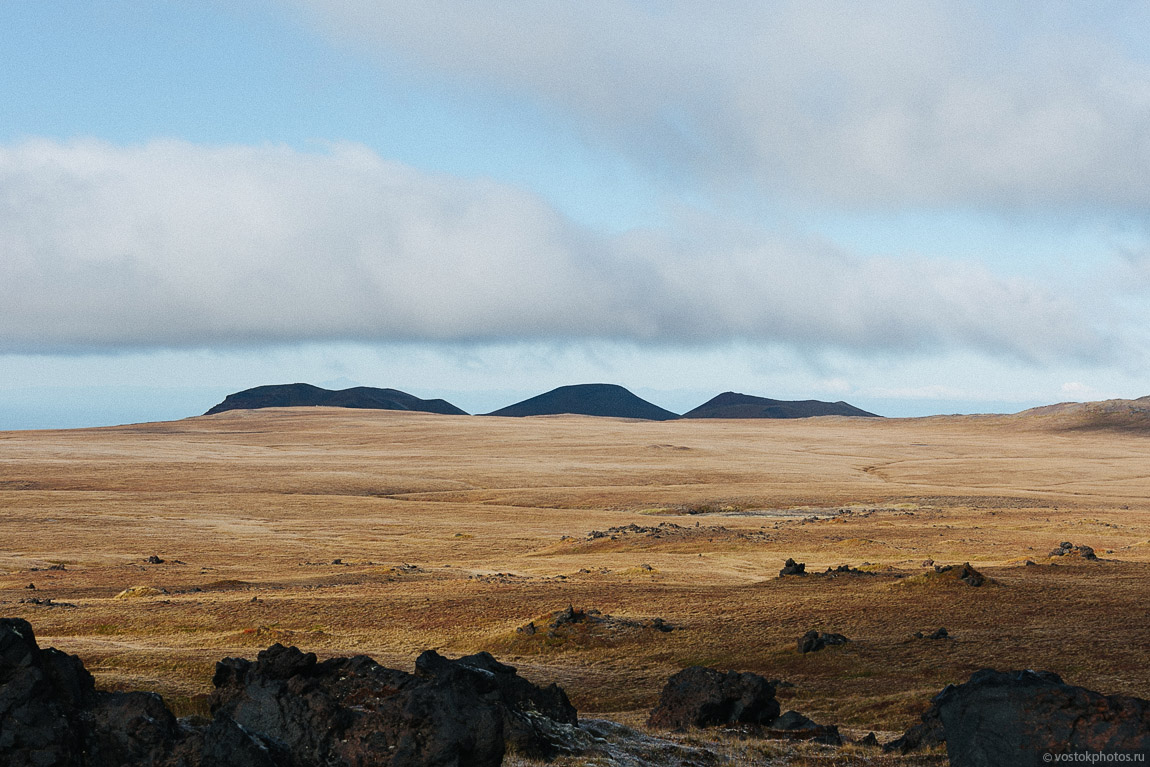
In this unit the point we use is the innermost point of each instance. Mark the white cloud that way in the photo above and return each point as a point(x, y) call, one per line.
point(171, 244)
point(887, 103)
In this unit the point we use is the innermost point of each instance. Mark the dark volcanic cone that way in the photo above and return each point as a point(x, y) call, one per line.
point(306, 395)
point(732, 405)
point(607, 400)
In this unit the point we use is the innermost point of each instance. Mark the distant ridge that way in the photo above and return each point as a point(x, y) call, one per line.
point(733, 405)
point(306, 395)
point(1111, 414)
point(606, 400)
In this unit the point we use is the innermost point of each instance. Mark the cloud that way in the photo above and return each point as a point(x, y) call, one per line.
point(880, 104)
point(171, 244)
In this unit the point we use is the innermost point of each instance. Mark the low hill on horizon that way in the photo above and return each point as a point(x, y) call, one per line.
point(306, 395)
point(1117, 414)
point(604, 400)
point(734, 405)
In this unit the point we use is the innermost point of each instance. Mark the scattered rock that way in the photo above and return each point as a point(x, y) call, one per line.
point(1016, 717)
point(31, 586)
point(154, 560)
point(964, 573)
point(1068, 549)
point(589, 626)
point(925, 563)
point(834, 572)
point(137, 592)
point(870, 740)
point(671, 532)
point(794, 726)
point(813, 641)
point(500, 578)
point(44, 602)
point(337, 561)
point(939, 633)
point(611, 744)
point(950, 575)
point(791, 567)
point(705, 697)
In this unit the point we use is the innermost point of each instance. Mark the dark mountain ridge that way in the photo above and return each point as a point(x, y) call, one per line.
point(734, 405)
point(605, 400)
point(306, 395)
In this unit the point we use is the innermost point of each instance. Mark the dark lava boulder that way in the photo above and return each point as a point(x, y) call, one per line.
point(285, 709)
point(963, 573)
point(530, 713)
point(835, 572)
point(1025, 717)
point(1068, 549)
point(794, 726)
point(705, 697)
point(40, 694)
point(791, 567)
point(352, 711)
point(813, 641)
point(51, 713)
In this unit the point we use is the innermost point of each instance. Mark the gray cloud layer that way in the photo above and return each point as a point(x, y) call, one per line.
point(872, 104)
point(173, 244)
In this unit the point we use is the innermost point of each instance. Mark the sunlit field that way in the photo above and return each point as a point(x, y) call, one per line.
point(387, 533)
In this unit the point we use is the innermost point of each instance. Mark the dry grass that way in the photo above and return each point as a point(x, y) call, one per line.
point(449, 533)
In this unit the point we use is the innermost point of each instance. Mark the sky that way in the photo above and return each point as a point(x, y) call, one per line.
point(915, 207)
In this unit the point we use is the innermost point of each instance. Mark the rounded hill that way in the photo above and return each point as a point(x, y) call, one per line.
point(306, 395)
point(734, 405)
point(605, 400)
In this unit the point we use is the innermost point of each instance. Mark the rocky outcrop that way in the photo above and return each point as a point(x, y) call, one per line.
point(841, 570)
point(530, 713)
point(794, 726)
point(939, 633)
point(791, 567)
point(1017, 717)
point(704, 697)
point(813, 641)
point(51, 714)
point(963, 573)
point(351, 710)
point(581, 625)
point(285, 709)
point(1068, 549)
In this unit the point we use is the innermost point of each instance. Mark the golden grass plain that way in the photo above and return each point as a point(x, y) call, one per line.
point(451, 532)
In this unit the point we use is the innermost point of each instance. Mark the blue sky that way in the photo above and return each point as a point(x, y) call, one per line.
point(915, 207)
